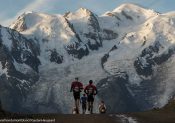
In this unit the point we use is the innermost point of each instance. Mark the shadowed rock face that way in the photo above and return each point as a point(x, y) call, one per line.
point(74, 49)
point(126, 15)
point(22, 50)
point(55, 57)
point(133, 97)
point(146, 94)
point(148, 54)
point(113, 91)
point(94, 22)
point(49, 105)
point(24, 56)
point(104, 59)
point(106, 56)
point(15, 84)
point(94, 46)
point(109, 34)
point(165, 56)
point(78, 53)
point(121, 96)
point(94, 35)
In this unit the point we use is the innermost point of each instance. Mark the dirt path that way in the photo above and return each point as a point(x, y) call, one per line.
point(140, 117)
point(69, 118)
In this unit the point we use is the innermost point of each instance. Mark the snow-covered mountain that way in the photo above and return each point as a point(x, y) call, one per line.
point(128, 52)
point(18, 67)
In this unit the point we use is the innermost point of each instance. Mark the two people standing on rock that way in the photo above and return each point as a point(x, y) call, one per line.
point(90, 90)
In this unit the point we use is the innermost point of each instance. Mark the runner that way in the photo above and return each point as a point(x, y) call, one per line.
point(76, 87)
point(91, 91)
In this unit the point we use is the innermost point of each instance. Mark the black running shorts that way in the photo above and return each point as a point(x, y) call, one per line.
point(76, 95)
point(90, 98)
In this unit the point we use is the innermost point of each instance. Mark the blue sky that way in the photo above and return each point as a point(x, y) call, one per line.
point(11, 9)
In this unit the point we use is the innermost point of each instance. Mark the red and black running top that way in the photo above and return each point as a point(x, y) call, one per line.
point(90, 89)
point(76, 86)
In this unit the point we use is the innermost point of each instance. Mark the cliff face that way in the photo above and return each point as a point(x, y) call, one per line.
point(18, 67)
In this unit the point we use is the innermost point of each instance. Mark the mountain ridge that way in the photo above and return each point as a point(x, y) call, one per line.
point(126, 52)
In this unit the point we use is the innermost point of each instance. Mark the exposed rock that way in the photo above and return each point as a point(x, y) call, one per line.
point(55, 57)
point(147, 55)
point(127, 16)
point(113, 48)
point(109, 34)
point(78, 53)
point(104, 59)
point(120, 99)
point(20, 26)
point(15, 83)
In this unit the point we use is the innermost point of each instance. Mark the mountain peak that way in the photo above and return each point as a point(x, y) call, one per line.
point(27, 20)
point(80, 13)
point(84, 11)
point(128, 7)
point(28, 12)
point(130, 10)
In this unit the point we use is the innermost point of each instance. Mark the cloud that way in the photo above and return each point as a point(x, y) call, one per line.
point(36, 5)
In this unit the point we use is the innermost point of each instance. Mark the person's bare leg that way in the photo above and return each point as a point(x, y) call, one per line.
point(78, 103)
point(91, 103)
point(83, 109)
point(75, 103)
point(88, 106)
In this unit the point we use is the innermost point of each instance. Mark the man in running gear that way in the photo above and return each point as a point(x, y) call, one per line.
point(91, 91)
point(76, 87)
